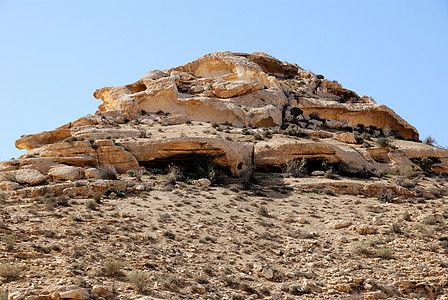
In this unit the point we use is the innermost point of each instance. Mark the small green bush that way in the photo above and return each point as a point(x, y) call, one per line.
point(426, 163)
point(384, 142)
point(365, 136)
point(293, 130)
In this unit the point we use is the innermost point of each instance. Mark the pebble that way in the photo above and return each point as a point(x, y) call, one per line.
point(342, 224)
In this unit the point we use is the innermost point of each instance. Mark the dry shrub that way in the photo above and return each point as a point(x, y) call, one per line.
point(91, 205)
point(169, 282)
point(9, 241)
point(263, 211)
point(407, 171)
point(330, 174)
point(3, 195)
point(295, 168)
point(385, 195)
point(97, 197)
point(139, 280)
point(108, 172)
point(363, 248)
point(383, 252)
point(112, 268)
point(9, 272)
point(405, 182)
point(430, 141)
point(174, 174)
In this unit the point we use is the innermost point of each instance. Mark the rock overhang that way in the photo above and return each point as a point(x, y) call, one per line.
point(242, 111)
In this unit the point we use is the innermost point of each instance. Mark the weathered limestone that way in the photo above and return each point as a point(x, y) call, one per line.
point(368, 114)
point(219, 87)
point(32, 141)
point(346, 137)
point(28, 176)
point(237, 156)
point(280, 151)
point(103, 133)
point(66, 173)
point(309, 117)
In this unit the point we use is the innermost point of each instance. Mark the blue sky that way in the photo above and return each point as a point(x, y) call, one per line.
point(54, 54)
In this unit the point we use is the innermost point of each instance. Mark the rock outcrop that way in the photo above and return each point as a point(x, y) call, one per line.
point(235, 111)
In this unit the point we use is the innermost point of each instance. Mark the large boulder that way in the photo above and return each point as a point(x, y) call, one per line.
point(66, 173)
point(32, 141)
point(28, 176)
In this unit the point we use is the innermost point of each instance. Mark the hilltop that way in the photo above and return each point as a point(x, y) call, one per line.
point(233, 176)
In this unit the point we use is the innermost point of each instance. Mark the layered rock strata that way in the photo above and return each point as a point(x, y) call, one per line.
point(238, 111)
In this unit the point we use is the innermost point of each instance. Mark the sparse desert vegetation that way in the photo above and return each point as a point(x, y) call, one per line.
point(241, 187)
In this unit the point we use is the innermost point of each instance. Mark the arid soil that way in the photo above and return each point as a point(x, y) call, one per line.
point(265, 239)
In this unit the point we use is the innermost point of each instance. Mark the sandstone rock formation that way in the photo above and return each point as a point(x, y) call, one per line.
point(236, 111)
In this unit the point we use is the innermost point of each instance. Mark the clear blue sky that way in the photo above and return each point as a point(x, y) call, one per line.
point(54, 54)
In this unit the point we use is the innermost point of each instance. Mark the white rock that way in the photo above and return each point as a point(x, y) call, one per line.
point(18, 295)
point(318, 173)
point(267, 273)
point(77, 294)
point(202, 182)
point(343, 239)
point(341, 224)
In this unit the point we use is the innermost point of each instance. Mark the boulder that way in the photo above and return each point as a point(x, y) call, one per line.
point(68, 149)
point(103, 291)
point(66, 173)
point(75, 294)
point(346, 137)
point(32, 141)
point(203, 182)
point(92, 173)
point(9, 186)
point(29, 176)
point(118, 157)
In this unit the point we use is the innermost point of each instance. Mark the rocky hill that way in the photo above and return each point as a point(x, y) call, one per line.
point(233, 176)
